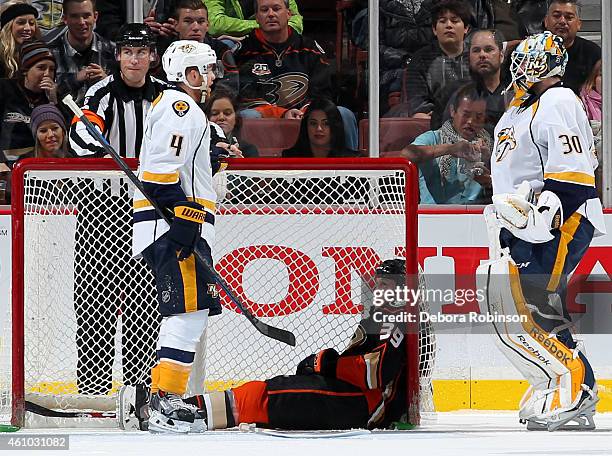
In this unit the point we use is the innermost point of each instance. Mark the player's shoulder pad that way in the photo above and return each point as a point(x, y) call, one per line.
point(178, 103)
point(559, 95)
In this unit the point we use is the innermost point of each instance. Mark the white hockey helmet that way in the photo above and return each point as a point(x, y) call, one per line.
point(536, 58)
point(184, 54)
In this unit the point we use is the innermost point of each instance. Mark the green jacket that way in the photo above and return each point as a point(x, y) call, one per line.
point(225, 17)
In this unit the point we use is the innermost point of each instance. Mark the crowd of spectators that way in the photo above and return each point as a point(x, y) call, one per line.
point(447, 59)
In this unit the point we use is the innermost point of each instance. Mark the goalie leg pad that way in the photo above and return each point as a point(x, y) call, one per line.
point(561, 378)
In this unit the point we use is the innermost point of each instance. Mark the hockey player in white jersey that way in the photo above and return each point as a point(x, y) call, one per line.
point(176, 170)
point(546, 204)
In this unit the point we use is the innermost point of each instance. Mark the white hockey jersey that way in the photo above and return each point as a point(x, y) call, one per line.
point(550, 139)
point(175, 149)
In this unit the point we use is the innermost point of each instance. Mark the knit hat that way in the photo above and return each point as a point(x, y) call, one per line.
point(33, 52)
point(16, 10)
point(45, 112)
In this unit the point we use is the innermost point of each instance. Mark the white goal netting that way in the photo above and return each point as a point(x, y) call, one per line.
point(296, 246)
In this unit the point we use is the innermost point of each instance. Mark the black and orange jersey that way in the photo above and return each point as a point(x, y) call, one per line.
point(286, 75)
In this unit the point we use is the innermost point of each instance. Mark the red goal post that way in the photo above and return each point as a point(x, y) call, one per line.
point(312, 225)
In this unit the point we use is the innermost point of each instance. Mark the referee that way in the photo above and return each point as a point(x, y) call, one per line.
point(108, 283)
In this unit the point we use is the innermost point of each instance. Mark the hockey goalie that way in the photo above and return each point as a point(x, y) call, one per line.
point(546, 205)
point(362, 387)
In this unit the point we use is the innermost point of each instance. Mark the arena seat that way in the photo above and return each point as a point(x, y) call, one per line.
point(271, 136)
point(395, 133)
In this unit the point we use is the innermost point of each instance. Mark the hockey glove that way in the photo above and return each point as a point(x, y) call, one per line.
point(527, 221)
point(322, 363)
point(186, 226)
point(217, 157)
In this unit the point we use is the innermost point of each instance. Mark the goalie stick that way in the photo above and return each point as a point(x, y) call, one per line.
point(44, 411)
point(279, 334)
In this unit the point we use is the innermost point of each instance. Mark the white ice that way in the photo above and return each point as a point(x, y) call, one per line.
point(456, 434)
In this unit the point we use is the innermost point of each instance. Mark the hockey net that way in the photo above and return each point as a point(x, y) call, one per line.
point(295, 239)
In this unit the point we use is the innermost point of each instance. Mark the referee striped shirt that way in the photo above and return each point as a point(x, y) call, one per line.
point(119, 111)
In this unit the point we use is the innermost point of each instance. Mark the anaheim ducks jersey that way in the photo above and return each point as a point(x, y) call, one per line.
point(547, 141)
point(174, 166)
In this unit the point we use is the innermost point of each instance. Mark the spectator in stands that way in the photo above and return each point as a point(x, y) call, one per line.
point(563, 19)
point(443, 62)
point(486, 60)
point(189, 21)
point(18, 22)
point(222, 109)
point(49, 132)
point(590, 93)
point(453, 160)
point(406, 27)
point(486, 63)
point(321, 133)
point(83, 56)
point(33, 86)
point(591, 96)
point(232, 19)
point(280, 70)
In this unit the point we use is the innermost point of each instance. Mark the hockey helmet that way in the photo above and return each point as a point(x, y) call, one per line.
point(184, 54)
point(536, 58)
point(135, 35)
point(394, 267)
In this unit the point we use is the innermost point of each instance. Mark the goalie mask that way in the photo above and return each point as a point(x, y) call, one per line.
point(184, 54)
point(536, 58)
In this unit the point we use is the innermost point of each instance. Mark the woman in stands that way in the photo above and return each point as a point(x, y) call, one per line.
point(591, 96)
point(19, 24)
point(34, 85)
point(321, 133)
point(222, 109)
point(49, 131)
point(591, 93)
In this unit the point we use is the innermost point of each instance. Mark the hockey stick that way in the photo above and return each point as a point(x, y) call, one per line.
point(44, 411)
point(265, 329)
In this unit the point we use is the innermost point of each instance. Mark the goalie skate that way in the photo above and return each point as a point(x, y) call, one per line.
point(133, 407)
point(581, 416)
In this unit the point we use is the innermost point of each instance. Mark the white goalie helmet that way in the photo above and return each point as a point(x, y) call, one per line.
point(536, 58)
point(184, 54)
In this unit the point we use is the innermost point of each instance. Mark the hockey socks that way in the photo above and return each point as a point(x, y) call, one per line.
point(216, 408)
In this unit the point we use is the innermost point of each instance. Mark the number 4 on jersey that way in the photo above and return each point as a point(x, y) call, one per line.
point(176, 143)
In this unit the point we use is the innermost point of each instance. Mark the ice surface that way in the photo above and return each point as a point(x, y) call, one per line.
point(457, 434)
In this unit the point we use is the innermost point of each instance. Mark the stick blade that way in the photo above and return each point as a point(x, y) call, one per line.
point(279, 334)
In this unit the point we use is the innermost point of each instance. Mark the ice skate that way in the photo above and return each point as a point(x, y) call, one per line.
point(169, 414)
point(581, 415)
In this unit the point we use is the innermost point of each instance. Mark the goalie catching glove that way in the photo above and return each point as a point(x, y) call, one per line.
point(322, 363)
point(186, 227)
point(529, 222)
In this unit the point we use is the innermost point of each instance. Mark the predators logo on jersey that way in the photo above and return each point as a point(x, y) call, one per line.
point(506, 142)
point(180, 107)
